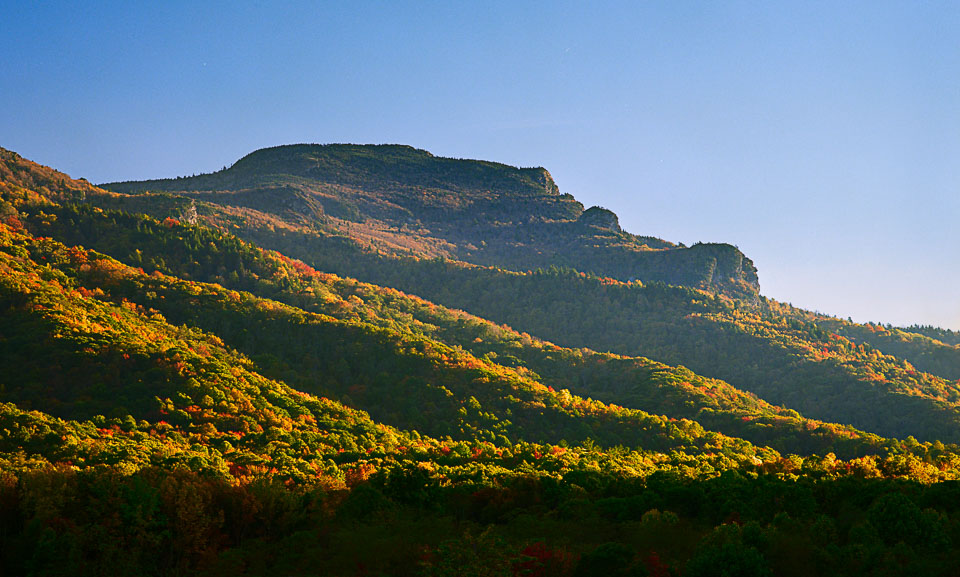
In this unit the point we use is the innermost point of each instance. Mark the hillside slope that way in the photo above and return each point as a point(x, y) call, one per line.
point(202, 254)
point(794, 365)
point(784, 356)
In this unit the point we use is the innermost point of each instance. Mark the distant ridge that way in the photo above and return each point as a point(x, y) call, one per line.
point(390, 196)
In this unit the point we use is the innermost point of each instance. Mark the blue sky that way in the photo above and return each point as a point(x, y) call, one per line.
point(822, 138)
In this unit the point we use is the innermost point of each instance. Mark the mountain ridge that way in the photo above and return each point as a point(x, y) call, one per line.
point(476, 211)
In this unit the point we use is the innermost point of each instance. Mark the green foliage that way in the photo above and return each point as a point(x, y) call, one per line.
point(485, 555)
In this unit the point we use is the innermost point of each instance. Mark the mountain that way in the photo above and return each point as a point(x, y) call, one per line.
point(176, 399)
point(406, 201)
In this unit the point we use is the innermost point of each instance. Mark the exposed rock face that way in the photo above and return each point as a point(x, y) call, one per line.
point(726, 266)
point(600, 217)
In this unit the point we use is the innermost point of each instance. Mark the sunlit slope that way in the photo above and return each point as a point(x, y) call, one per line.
point(179, 397)
point(635, 383)
point(634, 330)
point(788, 362)
point(935, 351)
point(161, 390)
point(407, 380)
point(630, 382)
point(785, 360)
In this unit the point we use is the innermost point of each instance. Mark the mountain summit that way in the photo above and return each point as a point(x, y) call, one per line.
point(402, 200)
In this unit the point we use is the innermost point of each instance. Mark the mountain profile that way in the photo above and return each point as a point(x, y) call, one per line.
point(474, 211)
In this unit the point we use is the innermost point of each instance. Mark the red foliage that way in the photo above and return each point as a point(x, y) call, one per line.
point(14, 223)
point(541, 561)
point(77, 255)
point(656, 567)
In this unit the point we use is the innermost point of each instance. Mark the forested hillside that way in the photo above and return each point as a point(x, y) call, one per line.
point(177, 400)
point(765, 348)
point(615, 378)
point(889, 386)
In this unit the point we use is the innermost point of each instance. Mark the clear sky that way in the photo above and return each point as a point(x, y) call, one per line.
point(822, 138)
